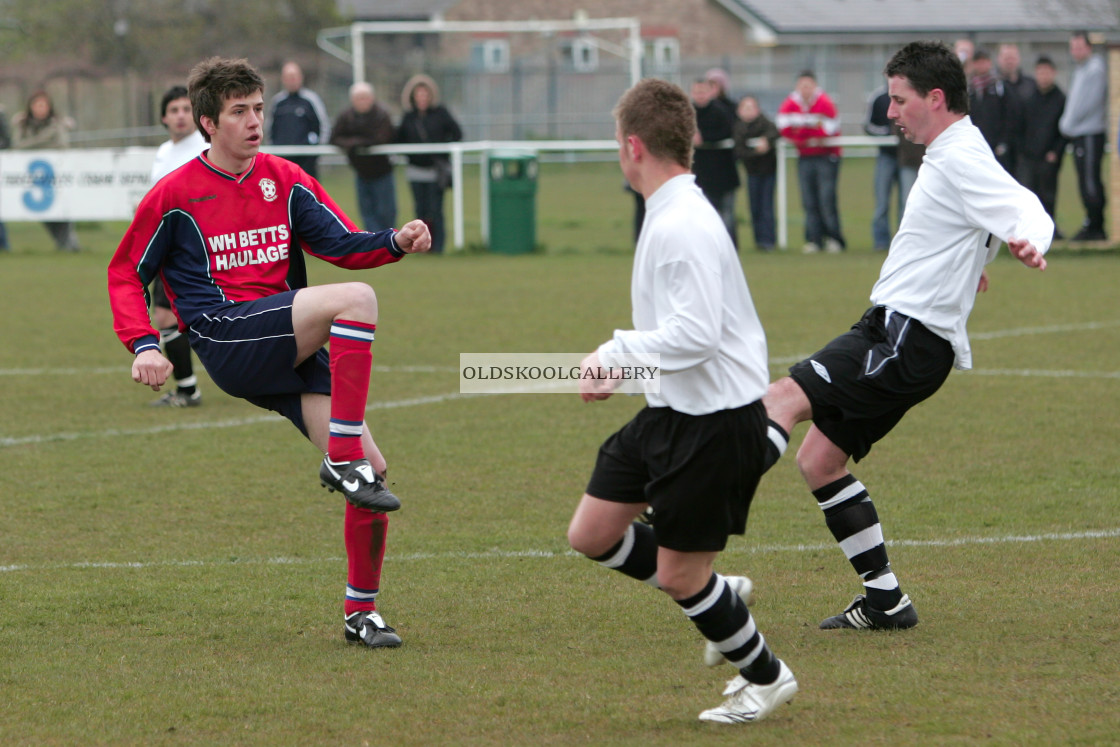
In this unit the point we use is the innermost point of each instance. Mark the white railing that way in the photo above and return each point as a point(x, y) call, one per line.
point(785, 151)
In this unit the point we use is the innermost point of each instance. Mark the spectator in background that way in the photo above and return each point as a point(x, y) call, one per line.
point(1022, 87)
point(886, 170)
point(368, 123)
point(756, 139)
point(1084, 122)
point(895, 165)
point(1042, 145)
point(993, 109)
point(39, 127)
point(185, 141)
point(713, 162)
point(806, 118)
point(639, 209)
point(185, 144)
point(910, 156)
point(964, 49)
point(297, 116)
point(427, 121)
point(1008, 61)
point(5, 143)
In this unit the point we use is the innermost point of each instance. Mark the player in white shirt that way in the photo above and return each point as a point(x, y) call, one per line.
point(856, 389)
point(186, 142)
point(695, 453)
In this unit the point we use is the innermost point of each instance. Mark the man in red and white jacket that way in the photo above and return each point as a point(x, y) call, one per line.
point(806, 118)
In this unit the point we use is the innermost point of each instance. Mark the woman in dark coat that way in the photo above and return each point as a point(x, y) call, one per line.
point(427, 121)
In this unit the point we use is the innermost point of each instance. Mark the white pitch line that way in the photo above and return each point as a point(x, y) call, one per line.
point(547, 554)
point(780, 360)
point(1034, 373)
point(1051, 329)
point(209, 424)
point(126, 372)
point(238, 422)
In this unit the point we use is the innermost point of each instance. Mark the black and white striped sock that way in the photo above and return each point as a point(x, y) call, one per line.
point(635, 554)
point(776, 442)
point(721, 617)
point(851, 516)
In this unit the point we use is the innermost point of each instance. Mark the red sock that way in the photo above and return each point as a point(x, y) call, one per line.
point(365, 551)
point(351, 361)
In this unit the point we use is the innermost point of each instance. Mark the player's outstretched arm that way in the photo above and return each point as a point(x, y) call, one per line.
point(413, 237)
point(1027, 253)
point(151, 369)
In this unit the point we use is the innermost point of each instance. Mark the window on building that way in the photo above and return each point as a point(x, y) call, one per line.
point(585, 56)
point(664, 54)
point(491, 55)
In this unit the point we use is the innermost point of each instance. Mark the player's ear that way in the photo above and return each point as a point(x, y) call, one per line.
point(208, 125)
point(636, 146)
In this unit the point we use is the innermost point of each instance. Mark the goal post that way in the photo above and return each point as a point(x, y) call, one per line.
point(357, 32)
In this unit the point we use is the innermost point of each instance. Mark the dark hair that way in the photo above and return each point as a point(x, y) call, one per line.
point(40, 94)
point(807, 74)
point(662, 116)
point(215, 80)
point(1044, 59)
point(927, 65)
point(1084, 35)
point(981, 54)
point(173, 94)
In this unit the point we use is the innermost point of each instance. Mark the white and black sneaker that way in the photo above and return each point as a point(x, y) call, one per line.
point(862, 616)
point(359, 483)
point(178, 398)
point(368, 629)
point(748, 702)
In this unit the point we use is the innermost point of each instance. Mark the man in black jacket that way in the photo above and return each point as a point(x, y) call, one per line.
point(367, 123)
point(714, 162)
point(993, 108)
point(1042, 145)
point(297, 116)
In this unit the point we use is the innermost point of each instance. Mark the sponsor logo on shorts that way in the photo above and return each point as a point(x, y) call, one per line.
point(821, 371)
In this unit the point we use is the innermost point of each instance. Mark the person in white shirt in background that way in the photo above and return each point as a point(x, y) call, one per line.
point(186, 142)
point(695, 453)
point(856, 389)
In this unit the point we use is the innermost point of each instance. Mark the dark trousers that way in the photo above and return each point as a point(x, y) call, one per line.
point(1088, 152)
point(818, 176)
point(760, 198)
point(429, 208)
point(1040, 177)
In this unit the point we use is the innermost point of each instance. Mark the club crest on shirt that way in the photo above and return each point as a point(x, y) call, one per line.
point(268, 189)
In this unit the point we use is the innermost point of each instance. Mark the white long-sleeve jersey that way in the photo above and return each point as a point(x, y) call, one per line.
point(961, 208)
point(692, 306)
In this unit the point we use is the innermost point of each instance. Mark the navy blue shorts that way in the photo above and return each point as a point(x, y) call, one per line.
point(863, 382)
point(698, 472)
point(249, 350)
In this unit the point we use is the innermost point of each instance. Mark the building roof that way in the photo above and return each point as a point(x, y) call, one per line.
point(393, 10)
point(923, 16)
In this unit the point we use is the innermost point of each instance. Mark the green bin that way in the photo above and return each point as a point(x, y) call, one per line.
point(513, 201)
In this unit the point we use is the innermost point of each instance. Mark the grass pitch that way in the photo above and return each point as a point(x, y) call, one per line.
point(176, 577)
